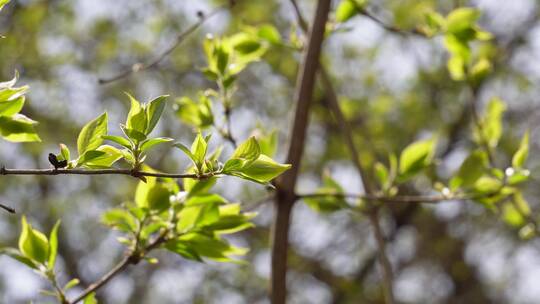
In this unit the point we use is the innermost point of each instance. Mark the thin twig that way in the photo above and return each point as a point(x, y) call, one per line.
point(133, 258)
point(7, 208)
point(396, 199)
point(130, 172)
point(141, 66)
point(391, 28)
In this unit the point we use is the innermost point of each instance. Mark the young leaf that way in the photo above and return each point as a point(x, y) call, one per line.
point(64, 151)
point(18, 128)
point(461, 19)
point(346, 10)
point(90, 299)
point(249, 150)
point(152, 194)
point(119, 219)
point(89, 156)
point(53, 246)
point(416, 157)
point(91, 134)
point(492, 122)
point(119, 140)
point(472, 168)
point(72, 283)
point(153, 111)
point(106, 160)
point(262, 170)
point(519, 158)
point(198, 149)
point(137, 118)
point(33, 244)
point(149, 143)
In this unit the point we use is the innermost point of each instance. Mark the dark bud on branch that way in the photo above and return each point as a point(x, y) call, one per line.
point(200, 14)
point(57, 163)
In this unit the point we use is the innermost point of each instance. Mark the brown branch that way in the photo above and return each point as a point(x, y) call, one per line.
point(285, 196)
point(141, 66)
point(130, 172)
point(349, 140)
point(347, 132)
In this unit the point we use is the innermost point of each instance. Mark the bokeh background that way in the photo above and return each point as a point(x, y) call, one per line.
point(395, 89)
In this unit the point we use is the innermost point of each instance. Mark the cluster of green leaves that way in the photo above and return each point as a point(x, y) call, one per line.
point(92, 153)
point(460, 30)
point(140, 122)
point(39, 253)
point(247, 161)
point(15, 126)
point(189, 223)
point(226, 58)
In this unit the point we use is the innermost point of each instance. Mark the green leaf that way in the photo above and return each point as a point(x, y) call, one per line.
point(381, 174)
point(134, 135)
point(106, 160)
point(197, 114)
point(183, 249)
point(91, 134)
point(461, 19)
point(119, 140)
point(516, 211)
point(89, 156)
point(262, 170)
point(268, 143)
point(137, 117)
point(12, 107)
point(72, 283)
point(198, 149)
point(269, 33)
point(487, 185)
point(151, 142)
point(3, 2)
point(195, 216)
point(152, 194)
point(33, 244)
point(90, 299)
point(210, 247)
point(346, 10)
point(416, 157)
point(64, 151)
point(472, 168)
point(248, 150)
point(53, 246)
point(492, 122)
point(520, 157)
point(187, 151)
point(15, 254)
point(18, 128)
point(154, 109)
point(119, 219)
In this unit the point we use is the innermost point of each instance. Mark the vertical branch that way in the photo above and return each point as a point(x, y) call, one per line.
point(347, 133)
point(373, 216)
point(285, 197)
